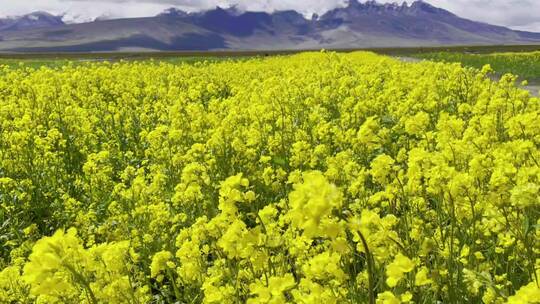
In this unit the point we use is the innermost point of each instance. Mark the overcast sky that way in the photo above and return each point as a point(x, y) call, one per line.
point(517, 14)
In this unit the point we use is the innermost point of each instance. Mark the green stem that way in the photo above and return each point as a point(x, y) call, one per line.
point(79, 277)
point(173, 283)
point(371, 274)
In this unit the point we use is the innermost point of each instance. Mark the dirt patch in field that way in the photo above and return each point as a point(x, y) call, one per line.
point(533, 87)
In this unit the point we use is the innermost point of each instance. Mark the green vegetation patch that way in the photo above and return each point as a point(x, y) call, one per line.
point(525, 65)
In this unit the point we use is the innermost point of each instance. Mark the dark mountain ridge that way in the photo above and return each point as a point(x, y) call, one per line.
point(356, 25)
point(30, 21)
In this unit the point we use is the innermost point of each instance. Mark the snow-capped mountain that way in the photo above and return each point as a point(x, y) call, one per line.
point(356, 25)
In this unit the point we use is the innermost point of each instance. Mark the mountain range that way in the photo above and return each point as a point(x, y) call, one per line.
point(357, 25)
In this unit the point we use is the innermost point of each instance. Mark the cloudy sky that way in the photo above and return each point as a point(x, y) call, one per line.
point(517, 14)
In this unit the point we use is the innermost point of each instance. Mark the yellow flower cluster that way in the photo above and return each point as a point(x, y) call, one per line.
point(60, 270)
point(318, 177)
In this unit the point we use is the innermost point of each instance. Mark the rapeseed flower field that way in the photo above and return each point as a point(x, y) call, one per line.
point(313, 178)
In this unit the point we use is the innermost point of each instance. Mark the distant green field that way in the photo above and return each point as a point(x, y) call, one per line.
point(33, 63)
point(525, 65)
point(36, 60)
point(59, 62)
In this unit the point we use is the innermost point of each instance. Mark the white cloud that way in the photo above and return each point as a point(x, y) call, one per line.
point(513, 13)
point(517, 14)
point(532, 27)
point(82, 10)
